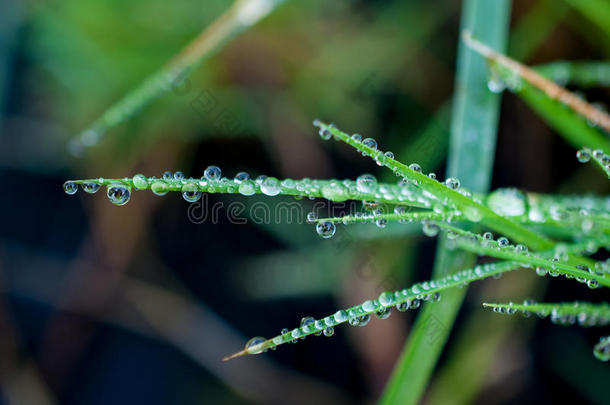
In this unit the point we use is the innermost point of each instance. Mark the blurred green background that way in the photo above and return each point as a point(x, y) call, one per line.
point(138, 304)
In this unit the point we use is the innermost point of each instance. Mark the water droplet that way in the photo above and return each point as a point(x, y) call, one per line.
point(191, 193)
point(168, 175)
point(591, 283)
point(601, 351)
point(340, 316)
point(312, 217)
point(260, 179)
point(381, 222)
point(430, 229)
point(384, 313)
point(452, 183)
point(329, 331)
point(178, 176)
point(507, 202)
point(366, 183)
point(118, 194)
point(370, 142)
point(271, 186)
point(357, 137)
point(159, 188)
point(247, 188)
point(212, 173)
point(70, 187)
point(325, 134)
point(415, 167)
point(583, 156)
point(254, 345)
point(91, 188)
point(403, 306)
point(432, 176)
point(502, 242)
point(386, 298)
point(389, 155)
point(140, 182)
point(326, 229)
point(308, 323)
point(241, 176)
point(334, 191)
point(541, 271)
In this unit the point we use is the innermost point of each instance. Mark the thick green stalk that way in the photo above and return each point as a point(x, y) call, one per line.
point(472, 147)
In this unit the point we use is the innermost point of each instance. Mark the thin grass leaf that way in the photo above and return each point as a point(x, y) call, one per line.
point(566, 313)
point(597, 11)
point(471, 153)
point(408, 298)
point(239, 17)
point(602, 159)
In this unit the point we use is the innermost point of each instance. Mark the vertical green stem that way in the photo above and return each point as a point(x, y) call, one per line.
point(471, 153)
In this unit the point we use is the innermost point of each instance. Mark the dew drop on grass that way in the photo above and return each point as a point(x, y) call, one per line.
point(601, 351)
point(415, 167)
point(329, 331)
point(430, 229)
point(507, 202)
point(502, 242)
point(191, 193)
point(370, 142)
point(271, 186)
point(357, 137)
point(452, 183)
point(140, 182)
point(118, 194)
point(312, 217)
point(212, 173)
point(326, 229)
point(366, 183)
point(70, 187)
point(241, 176)
point(247, 188)
point(253, 345)
point(583, 156)
point(159, 188)
point(178, 176)
point(541, 271)
point(325, 134)
point(384, 313)
point(91, 188)
point(334, 191)
point(168, 175)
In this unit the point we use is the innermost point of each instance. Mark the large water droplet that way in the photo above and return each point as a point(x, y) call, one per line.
point(159, 188)
point(271, 186)
point(140, 182)
point(241, 176)
point(91, 188)
point(508, 202)
point(583, 156)
point(70, 187)
point(366, 183)
point(247, 188)
point(191, 193)
point(326, 229)
point(118, 194)
point(212, 173)
point(370, 142)
point(254, 345)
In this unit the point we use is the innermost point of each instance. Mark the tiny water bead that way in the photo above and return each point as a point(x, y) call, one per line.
point(415, 167)
point(583, 156)
point(271, 186)
point(503, 242)
point(325, 134)
point(601, 350)
point(329, 331)
point(430, 229)
point(241, 176)
point(159, 188)
point(212, 173)
point(91, 188)
point(254, 345)
point(168, 175)
point(326, 229)
point(247, 188)
point(118, 194)
point(191, 193)
point(370, 142)
point(357, 137)
point(140, 182)
point(70, 187)
point(366, 183)
point(312, 217)
point(178, 176)
point(452, 183)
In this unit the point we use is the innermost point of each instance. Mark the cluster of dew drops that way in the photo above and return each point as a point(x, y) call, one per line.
point(584, 155)
point(367, 183)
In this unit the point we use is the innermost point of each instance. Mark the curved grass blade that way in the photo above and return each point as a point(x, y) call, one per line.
point(240, 16)
point(598, 156)
point(552, 90)
point(566, 313)
point(359, 315)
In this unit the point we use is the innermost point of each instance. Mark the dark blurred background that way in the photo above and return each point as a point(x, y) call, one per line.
point(138, 304)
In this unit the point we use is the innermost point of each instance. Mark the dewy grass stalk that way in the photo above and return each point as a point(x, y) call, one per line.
point(239, 17)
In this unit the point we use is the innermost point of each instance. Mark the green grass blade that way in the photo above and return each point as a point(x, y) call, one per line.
point(474, 125)
point(239, 17)
point(597, 11)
